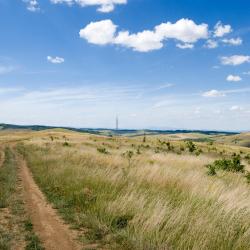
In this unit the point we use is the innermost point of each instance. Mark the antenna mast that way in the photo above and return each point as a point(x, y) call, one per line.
point(117, 123)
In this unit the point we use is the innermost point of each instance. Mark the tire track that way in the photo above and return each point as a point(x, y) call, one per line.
point(51, 230)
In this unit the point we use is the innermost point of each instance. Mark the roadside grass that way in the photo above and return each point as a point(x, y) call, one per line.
point(13, 216)
point(150, 200)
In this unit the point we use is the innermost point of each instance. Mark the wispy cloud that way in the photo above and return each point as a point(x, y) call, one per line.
point(104, 6)
point(6, 69)
point(221, 93)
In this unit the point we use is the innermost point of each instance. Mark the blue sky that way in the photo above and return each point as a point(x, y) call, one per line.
point(154, 63)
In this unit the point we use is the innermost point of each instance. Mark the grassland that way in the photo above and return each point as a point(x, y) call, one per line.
point(141, 193)
point(16, 229)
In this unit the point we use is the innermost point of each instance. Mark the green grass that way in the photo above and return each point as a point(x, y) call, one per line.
point(7, 179)
point(154, 201)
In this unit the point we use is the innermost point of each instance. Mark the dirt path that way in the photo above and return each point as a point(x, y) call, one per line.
point(54, 234)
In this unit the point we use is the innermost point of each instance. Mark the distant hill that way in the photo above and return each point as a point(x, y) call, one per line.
point(110, 132)
point(242, 139)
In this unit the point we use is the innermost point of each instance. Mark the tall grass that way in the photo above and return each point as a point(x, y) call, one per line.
point(156, 201)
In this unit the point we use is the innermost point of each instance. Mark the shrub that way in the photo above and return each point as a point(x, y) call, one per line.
point(231, 165)
point(102, 150)
point(198, 152)
point(121, 222)
point(191, 146)
point(211, 170)
point(248, 177)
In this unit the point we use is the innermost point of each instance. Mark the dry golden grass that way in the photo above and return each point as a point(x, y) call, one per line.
point(155, 200)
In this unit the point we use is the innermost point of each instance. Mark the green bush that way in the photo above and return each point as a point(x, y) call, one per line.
point(66, 144)
point(211, 170)
point(102, 150)
point(230, 165)
point(191, 146)
point(248, 177)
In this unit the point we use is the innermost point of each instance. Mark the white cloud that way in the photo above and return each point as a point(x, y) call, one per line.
point(236, 108)
point(105, 6)
point(221, 30)
point(213, 93)
point(234, 78)
point(55, 60)
point(221, 93)
point(165, 86)
point(235, 60)
point(184, 30)
point(143, 41)
point(6, 69)
point(233, 41)
point(211, 44)
point(32, 5)
point(100, 33)
point(105, 32)
point(185, 45)
point(246, 73)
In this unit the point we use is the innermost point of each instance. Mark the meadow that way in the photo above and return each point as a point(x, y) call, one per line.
point(142, 192)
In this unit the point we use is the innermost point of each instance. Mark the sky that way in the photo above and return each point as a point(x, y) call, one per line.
point(156, 64)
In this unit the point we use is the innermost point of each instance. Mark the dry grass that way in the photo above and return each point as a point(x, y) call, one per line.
point(161, 200)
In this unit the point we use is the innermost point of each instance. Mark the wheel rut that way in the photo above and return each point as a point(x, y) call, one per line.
point(52, 231)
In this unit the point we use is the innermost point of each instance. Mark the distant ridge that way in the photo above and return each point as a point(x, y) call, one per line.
point(110, 132)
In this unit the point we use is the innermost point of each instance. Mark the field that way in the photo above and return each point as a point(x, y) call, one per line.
point(141, 192)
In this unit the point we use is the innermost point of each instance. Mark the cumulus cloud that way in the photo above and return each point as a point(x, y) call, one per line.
point(233, 78)
point(55, 60)
point(105, 6)
point(233, 41)
point(221, 30)
point(213, 93)
point(211, 44)
point(32, 5)
point(105, 32)
point(99, 33)
point(235, 60)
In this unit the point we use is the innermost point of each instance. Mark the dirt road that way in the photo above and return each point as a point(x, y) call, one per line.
point(53, 233)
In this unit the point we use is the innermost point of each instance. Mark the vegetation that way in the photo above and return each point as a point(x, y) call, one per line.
point(13, 217)
point(231, 165)
point(124, 193)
